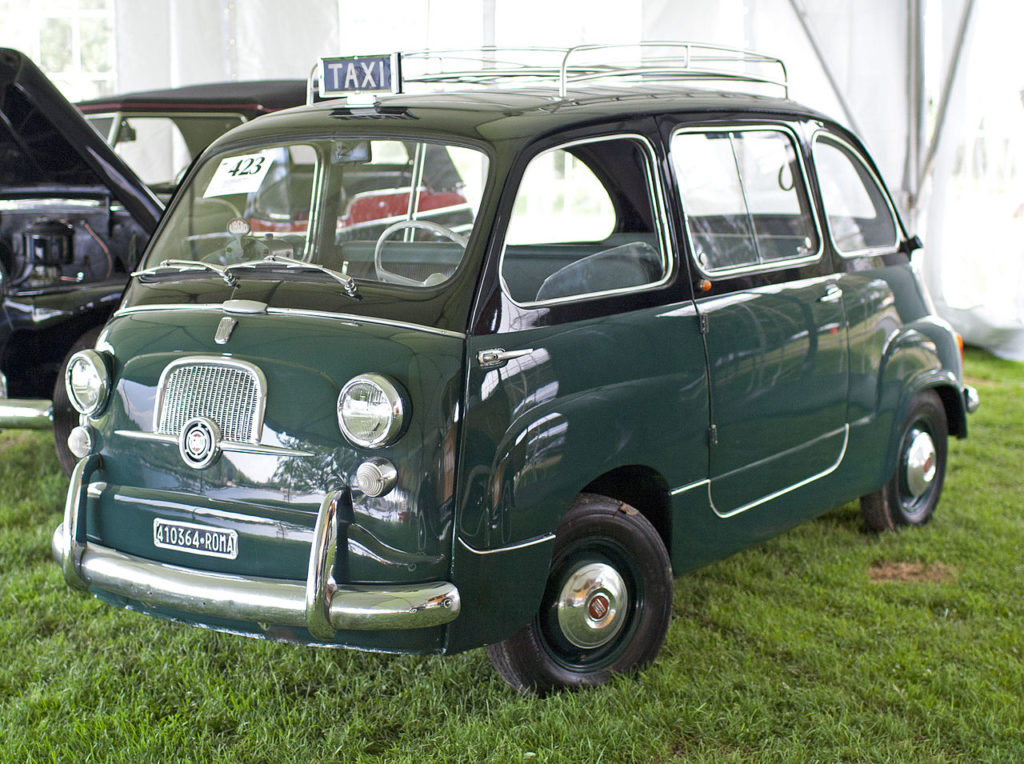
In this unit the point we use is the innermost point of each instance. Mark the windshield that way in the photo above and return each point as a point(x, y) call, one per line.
point(391, 211)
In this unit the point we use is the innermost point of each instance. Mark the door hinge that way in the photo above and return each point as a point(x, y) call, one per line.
point(713, 435)
point(703, 323)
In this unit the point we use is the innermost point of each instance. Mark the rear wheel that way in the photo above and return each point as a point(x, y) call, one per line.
point(65, 418)
point(606, 607)
point(912, 493)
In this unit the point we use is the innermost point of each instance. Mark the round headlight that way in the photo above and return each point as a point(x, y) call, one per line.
point(87, 381)
point(371, 411)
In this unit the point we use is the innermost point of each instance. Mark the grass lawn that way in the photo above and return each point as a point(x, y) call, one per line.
point(825, 644)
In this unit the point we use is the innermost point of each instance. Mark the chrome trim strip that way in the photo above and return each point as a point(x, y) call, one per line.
point(262, 600)
point(227, 446)
point(26, 414)
point(348, 317)
point(788, 489)
point(690, 487)
point(499, 550)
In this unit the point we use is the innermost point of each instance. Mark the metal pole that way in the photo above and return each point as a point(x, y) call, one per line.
point(847, 112)
point(947, 89)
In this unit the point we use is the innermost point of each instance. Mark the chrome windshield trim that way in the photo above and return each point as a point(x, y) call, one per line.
point(331, 316)
point(783, 491)
point(513, 547)
point(228, 446)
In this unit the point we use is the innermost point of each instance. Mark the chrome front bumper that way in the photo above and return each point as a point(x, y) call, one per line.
point(320, 605)
point(26, 414)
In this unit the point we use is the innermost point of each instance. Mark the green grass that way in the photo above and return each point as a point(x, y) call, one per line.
point(789, 651)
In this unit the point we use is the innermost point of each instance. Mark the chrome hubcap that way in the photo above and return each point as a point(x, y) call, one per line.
point(592, 605)
point(921, 464)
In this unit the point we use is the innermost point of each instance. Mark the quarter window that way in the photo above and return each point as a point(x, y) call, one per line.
point(584, 222)
point(744, 198)
point(859, 219)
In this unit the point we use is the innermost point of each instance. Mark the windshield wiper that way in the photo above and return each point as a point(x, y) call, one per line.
point(290, 263)
point(182, 266)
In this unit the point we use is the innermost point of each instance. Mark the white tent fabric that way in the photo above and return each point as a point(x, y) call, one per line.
point(875, 65)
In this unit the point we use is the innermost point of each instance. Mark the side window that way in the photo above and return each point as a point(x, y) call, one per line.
point(584, 222)
point(744, 198)
point(859, 219)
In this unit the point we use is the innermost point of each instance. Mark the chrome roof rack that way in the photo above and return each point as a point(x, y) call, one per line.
point(664, 62)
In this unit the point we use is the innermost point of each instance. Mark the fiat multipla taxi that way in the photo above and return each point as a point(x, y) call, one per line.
point(484, 349)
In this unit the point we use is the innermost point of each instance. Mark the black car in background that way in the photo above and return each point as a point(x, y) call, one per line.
point(75, 215)
point(159, 132)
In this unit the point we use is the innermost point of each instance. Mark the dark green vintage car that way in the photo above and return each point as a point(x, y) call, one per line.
point(422, 372)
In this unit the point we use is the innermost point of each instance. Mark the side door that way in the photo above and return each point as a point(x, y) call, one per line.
point(772, 312)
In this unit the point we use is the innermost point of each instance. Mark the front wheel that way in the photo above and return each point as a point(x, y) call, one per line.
point(606, 607)
point(912, 493)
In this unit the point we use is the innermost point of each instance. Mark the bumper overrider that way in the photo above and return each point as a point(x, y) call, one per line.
point(319, 605)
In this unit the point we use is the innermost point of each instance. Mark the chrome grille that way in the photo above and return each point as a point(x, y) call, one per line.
point(230, 393)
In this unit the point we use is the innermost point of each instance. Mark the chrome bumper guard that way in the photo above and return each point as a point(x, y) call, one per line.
point(321, 605)
point(26, 414)
point(971, 399)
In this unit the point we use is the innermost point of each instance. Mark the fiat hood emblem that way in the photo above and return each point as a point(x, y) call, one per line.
point(199, 442)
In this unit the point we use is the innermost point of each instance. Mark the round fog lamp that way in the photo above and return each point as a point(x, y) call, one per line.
point(87, 381)
point(371, 411)
point(376, 477)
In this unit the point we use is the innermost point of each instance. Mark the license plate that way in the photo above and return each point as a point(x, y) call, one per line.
point(195, 539)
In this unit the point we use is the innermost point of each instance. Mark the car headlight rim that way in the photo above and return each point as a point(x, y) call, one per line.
point(87, 381)
point(372, 411)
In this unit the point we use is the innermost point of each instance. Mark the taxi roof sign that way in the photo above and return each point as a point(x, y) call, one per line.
point(342, 76)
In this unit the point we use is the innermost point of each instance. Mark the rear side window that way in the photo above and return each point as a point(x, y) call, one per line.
point(585, 223)
point(859, 217)
point(744, 199)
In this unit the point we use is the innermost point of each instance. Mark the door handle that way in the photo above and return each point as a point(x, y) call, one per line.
point(498, 357)
point(832, 294)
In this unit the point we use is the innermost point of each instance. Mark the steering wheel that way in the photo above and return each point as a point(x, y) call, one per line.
point(394, 278)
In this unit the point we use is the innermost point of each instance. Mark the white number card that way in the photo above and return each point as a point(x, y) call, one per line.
point(239, 174)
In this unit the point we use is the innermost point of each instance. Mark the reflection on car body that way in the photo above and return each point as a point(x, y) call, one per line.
point(493, 372)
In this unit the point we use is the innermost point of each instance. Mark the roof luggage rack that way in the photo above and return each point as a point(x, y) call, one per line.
point(665, 62)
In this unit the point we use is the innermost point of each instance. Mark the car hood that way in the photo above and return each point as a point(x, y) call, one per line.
point(47, 147)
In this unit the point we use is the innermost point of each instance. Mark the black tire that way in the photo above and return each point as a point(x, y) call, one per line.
point(65, 418)
point(617, 620)
point(912, 493)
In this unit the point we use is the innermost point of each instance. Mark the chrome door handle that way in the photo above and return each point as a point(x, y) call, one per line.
point(497, 357)
point(832, 294)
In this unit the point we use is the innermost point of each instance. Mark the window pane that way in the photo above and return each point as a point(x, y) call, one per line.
point(560, 200)
point(744, 197)
point(855, 206)
point(571, 235)
point(709, 181)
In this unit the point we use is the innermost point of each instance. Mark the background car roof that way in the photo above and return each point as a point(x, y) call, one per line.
point(252, 98)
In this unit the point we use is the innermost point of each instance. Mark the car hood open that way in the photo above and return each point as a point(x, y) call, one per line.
point(47, 147)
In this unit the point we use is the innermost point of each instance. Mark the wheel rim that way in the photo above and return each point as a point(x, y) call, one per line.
point(918, 470)
point(590, 607)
